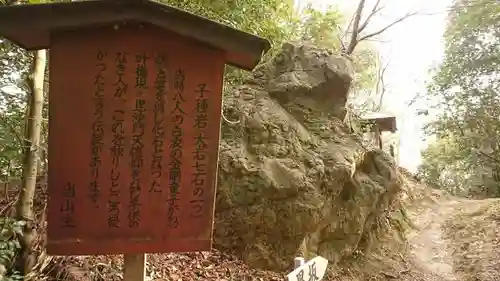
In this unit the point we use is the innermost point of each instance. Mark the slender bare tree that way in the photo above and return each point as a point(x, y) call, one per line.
point(24, 211)
point(380, 86)
point(357, 26)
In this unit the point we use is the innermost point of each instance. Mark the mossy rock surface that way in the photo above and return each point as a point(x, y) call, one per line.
point(293, 179)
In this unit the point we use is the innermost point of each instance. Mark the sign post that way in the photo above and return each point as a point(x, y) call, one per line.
point(313, 270)
point(134, 267)
point(134, 121)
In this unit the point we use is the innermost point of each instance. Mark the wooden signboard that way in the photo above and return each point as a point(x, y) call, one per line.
point(133, 139)
point(313, 270)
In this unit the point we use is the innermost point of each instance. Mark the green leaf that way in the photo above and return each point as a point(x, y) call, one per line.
point(466, 103)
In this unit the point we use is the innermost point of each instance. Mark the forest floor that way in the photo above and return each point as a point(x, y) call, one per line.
point(452, 239)
point(473, 232)
point(457, 239)
point(430, 249)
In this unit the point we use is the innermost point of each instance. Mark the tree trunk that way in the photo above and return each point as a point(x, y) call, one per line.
point(24, 210)
point(353, 42)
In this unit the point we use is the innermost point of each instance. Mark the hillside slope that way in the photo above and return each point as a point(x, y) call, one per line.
point(454, 239)
point(294, 180)
point(474, 232)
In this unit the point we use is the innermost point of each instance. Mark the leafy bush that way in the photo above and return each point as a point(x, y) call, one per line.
point(10, 230)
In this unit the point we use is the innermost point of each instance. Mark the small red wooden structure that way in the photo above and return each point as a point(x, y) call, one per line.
point(381, 123)
point(135, 108)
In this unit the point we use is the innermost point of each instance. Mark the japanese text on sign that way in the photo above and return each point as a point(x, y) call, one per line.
point(117, 144)
point(97, 127)
point(68, 205)
point(159, 124)
point(200, 154)
point(176, 146)
point(138, 136)
point(313, 270)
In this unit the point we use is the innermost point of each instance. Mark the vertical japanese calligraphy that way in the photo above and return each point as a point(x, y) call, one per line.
point(117, 144)
point(200, 155)
point(136, 150)
point(120, 85)
point(97, 127)
point(176, 146)
point(159, 123)
point(133, 141)
point(313, 270)
point(68, 206)
point(141, 72)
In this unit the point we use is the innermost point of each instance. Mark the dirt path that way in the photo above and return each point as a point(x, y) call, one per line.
point(430, 249)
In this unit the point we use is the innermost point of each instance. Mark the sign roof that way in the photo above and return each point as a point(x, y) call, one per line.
point(30, 25)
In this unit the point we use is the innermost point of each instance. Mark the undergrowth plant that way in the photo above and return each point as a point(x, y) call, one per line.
point(10, 231)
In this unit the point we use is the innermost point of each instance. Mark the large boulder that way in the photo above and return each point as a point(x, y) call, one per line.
point(293, 179)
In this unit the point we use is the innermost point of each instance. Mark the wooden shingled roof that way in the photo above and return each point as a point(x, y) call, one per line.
point(385, 122)
point(30, 25)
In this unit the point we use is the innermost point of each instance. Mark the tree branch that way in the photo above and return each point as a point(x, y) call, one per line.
point(348, 27)
point(488, 156)
point(358, 26)
point(387, 27)
point(381, 86)
point(375, 10)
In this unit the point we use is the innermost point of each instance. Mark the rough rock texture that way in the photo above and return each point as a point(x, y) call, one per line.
point(292, 178)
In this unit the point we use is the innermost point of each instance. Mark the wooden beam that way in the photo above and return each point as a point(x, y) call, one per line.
point(134, 267)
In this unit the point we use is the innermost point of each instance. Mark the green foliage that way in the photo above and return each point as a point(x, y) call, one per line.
point(274, 20)
point(271, 19)
point(10, 230)
point(278, 22)
point(321, 28)
point(446, 165)
point(466, 94)
point(13, 100)
point(365, 67)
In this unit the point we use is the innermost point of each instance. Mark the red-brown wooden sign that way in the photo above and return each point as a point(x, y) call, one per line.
point(133, 141)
